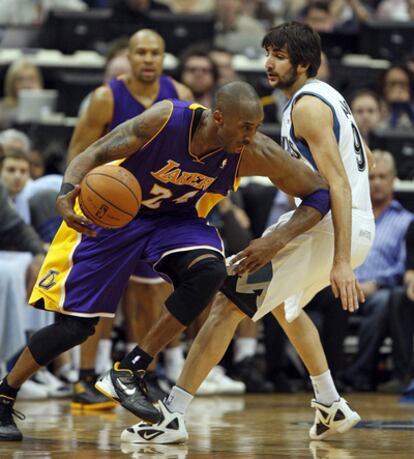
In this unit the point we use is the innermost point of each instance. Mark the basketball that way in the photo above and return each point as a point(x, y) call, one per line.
point(110, 196)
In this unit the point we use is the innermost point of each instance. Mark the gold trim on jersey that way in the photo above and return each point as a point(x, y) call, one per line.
point(51, 282)
point(207, 202)
point(162, 127)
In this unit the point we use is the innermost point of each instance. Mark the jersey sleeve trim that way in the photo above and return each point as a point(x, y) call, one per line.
point(161, 128)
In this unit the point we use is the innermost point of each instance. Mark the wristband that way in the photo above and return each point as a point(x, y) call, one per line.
point(65, 188)
point(319, 200)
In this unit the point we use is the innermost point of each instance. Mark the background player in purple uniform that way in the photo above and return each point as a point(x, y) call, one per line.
point(186, 158)
point(112, 104)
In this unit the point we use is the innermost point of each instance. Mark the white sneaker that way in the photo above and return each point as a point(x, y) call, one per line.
point(329, 420)
point(171, 429)
point(225, 385)
point(54, 386)
point(208, 388)
point(31, 390)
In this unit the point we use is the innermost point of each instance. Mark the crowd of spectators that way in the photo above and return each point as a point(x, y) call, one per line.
point(30, 179)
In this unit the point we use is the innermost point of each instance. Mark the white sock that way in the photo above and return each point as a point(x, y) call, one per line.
point(75, 353)
point(324, 388)
point(244, 347)
point(179, 400)
point(103, 360)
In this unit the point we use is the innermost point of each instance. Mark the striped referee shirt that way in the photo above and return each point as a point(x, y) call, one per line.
point(385, 263)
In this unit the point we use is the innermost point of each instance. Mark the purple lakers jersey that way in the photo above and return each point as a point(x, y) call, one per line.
point(173, 179)
point(125, 104)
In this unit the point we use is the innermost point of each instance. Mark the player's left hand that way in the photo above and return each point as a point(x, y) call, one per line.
point(258, 253)
point(346, 286)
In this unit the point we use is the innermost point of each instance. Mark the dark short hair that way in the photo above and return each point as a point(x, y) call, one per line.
point(401, 66)
point(197, 52)
point(301, 42)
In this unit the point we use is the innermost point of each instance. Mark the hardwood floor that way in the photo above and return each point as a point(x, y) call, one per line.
point(249, 427)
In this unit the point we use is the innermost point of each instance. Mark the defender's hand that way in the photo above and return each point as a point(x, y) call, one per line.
point(258, 253)
point(65, 205)
point(346, 286)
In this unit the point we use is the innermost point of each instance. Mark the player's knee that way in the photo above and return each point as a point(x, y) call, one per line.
point(79, 329)
point(209, 273)
point(67, 332)
point(196, 288)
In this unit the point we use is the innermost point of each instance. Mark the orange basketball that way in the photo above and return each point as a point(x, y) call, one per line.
point(110, 196)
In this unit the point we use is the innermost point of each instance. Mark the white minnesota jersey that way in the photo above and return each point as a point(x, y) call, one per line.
point(347, 135)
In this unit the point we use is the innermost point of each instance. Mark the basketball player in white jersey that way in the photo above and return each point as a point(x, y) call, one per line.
point(318, 128)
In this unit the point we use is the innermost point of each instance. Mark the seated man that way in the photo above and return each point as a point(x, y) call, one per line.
point(381, 272)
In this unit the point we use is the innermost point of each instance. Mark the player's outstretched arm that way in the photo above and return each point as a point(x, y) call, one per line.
point(122, 142)
point(313, 123)
point(264, 157)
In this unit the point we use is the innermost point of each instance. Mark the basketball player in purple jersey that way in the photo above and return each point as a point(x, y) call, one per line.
point(112, 104)
point(186, 159)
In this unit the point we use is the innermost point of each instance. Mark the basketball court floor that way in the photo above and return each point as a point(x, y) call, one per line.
point(236, 427)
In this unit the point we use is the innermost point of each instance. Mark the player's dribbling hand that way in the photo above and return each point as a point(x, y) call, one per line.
point(65, 205)
point(346, 286)
point(257, 254)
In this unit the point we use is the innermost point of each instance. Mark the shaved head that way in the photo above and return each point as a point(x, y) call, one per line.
point(237, 114)
point(232, 96)
point(146, 35)
point(146, 55)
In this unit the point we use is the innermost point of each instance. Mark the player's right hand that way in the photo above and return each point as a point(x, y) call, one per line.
point(345, 286)
point(65, 205)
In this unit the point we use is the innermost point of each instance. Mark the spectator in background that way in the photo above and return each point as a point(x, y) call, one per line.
point(397, 10)
point(324, 71)
point(350, 13)
point(235, 31)
point(382, 270)
point(15, 234)
point(224, 62)
point(37, 164)
point(198, 72)
point(34, 12)
point(335, 15)
point(402, 321)
point(318, 15)
point(14, 174)
point(366, 107)
point(397, 90)
point(409, 63)
point(260, 10)
point(117, 63)
point(402, 327)
point(135, 11)
point(21, 74)
point(12, 138)
point(116, 60)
